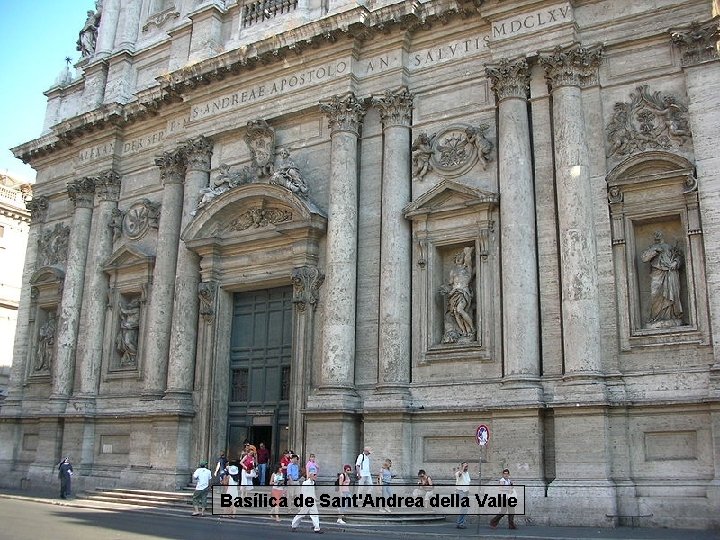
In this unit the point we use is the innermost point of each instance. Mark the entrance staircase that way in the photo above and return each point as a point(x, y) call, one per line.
point(168, 500)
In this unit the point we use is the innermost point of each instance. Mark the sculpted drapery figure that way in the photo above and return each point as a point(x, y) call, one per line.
point(421, 152)
point(46, 342)
point(127, 339)
point(88, 35)
point(287, 174)
point(459, 324)
point(665, 304)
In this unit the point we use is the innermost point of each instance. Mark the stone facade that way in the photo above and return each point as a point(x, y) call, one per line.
point(495, 212)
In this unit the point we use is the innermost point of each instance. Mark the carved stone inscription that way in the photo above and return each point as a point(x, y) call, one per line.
point(534, 21)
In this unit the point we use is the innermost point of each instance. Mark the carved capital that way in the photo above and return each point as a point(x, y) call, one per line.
point(699, 42)
point(198, 152)
point(572, 66)
point(82, 192)
point(345, 113)
point(207, 291)
point(395, 107)
point(38, 207)
point(509, 78)
point(172, 166)
point(306, 281)
point(107, 186)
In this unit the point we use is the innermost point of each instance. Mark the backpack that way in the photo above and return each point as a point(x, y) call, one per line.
point(337, 480)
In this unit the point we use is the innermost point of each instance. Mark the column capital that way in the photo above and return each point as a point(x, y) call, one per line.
point(509, 78)
point(572, 66)
point(698, 43)
point(107, 186)
point(38, 207)
point(82, 192)
point(345, 113)
point(172, 166)
point(198, 152)
point(395, 107)
point(306, 281)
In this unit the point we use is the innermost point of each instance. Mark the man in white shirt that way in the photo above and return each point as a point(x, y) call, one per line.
point(202, 477)
point(507, 488)
point(308, 490)
point(462, 486)
point(362, 469)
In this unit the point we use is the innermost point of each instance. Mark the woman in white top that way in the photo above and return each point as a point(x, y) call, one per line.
point(231, 481)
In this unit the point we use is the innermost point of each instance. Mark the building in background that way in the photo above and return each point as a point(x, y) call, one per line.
point(382, 224)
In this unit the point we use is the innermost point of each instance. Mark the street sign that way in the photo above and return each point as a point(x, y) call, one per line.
point(482, 435)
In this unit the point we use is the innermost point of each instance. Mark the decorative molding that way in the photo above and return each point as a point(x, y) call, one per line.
point(172, 166)
point(572, 66)
point(107, 186)
point(509, 78)
point(306, 281)
point(207, 291)
point(615, 194)
point(159, 19)
point(395, 107)
point(648, 121)
point(198, 152)
point(452, 151)
point(82, 192)
point(699, 42)
point(344, 112)
point(287, 174)
point(38, 208)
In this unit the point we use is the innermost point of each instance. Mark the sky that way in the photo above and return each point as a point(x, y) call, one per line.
point(35, 38)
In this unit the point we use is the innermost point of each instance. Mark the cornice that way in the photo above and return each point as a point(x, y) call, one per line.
point(358, 24)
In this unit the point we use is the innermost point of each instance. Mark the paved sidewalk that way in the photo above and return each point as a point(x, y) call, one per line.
point(439, 530)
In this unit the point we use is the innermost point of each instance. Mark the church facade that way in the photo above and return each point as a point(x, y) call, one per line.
point(329, 225)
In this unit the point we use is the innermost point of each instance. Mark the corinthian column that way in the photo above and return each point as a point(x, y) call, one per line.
point(38, 207)
point(109, 18)
point(395, 266)
point(187, 276)
point(107, 192)
point(567, 70)
point(81, 192)
point(521, 336)
point(172, 173)
point(345, 115)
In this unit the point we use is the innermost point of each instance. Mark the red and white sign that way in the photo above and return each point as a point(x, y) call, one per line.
point(482, 435)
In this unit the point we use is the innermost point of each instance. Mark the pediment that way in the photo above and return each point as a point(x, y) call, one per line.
point(128, 256)
point(47, 275)
point(649, 165)
point(253, 211)
point(449, 196)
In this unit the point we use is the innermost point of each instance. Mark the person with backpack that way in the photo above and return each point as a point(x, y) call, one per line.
point(342, 482)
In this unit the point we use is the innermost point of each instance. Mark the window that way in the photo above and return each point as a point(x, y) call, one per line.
point(239, 385)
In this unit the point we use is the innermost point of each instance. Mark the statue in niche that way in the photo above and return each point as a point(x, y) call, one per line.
point(665, 304)
point(287, 174)
point(88, 35)
point(46, 343)
point(421, 153)
point(127, 340)
point(459, 324)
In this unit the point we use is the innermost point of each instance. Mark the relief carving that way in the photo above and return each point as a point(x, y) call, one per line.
point(648, 121)
point(259, 217)
point(53, 246)
point(459, 321)
point(38, 207)
point(452, 151)
point(260, 138)
point(287, 174)
point(140, 218)
point(206, 294)
point(572, 66)
point(666, 309)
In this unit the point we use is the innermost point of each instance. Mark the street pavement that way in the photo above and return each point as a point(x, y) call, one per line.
point(25, 516)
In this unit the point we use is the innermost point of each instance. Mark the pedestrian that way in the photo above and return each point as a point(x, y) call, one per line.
point(284, 462)
point(232, 479)
point(277, 480)
point(248, 471)
point(505, 487)
point(293, 475)
point(425, 487)
point(65, 472)
point(311, 466)
point(263, 457)
point(462, 487)
point(362, 470)
point(308, 493)
point(202, 477)
point(221, 468)
point(343, 482)
point(384, 479)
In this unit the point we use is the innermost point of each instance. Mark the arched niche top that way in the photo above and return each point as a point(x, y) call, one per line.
point(253, 211)
point(648, 165)
point(47, 274)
